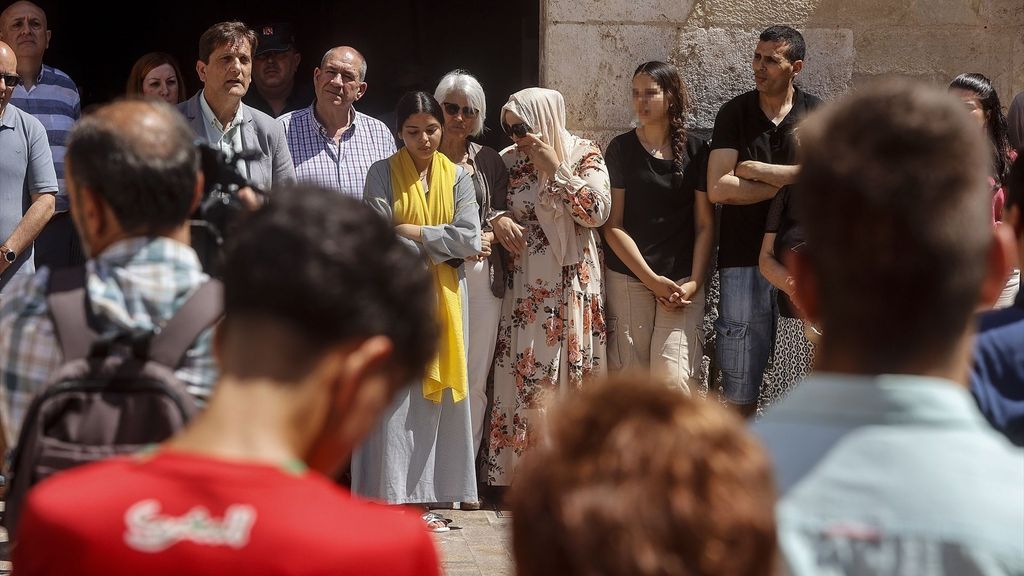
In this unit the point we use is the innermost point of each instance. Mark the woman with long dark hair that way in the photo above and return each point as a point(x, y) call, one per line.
point(982, 103)
point(660, 233)
point(422, 451)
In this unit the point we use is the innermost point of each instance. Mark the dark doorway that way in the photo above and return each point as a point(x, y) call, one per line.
point(408, 44)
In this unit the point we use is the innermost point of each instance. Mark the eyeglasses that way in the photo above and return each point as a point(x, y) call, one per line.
point(11, 80)
point(518, 130)
point(467, 111)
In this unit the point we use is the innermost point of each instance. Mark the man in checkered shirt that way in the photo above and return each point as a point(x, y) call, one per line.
point(332, 144)
point(131, 171)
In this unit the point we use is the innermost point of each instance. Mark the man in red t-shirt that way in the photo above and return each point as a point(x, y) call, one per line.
point(327, 315)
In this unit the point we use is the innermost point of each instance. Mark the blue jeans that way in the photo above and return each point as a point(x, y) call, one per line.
point(744, 332)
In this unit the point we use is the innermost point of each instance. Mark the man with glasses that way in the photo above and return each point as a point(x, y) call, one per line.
point(332, 143)
point(52, 97)
point(28, 182)
point(273, 72)
point(753, 155)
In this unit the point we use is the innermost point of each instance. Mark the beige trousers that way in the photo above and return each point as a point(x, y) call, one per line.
point(644, 336)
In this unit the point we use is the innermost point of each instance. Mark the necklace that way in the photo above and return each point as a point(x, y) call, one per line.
point(648, 147)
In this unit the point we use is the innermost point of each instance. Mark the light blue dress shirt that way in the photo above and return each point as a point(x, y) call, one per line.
point(893, 474)
point(227, 138)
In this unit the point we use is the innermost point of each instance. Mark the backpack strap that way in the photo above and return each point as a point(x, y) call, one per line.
point(202, 310)
point(65, 296)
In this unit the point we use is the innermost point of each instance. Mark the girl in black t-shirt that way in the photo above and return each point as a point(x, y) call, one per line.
point(660, 233)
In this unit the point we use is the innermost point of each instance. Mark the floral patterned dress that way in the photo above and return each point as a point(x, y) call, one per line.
point(551, 338)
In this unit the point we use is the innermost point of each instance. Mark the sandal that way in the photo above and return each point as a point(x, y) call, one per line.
point(436, 522)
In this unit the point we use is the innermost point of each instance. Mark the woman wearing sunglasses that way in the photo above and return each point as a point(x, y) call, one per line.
point(465, 108)
point(551, 338)
point(422, 451)
point(660, 233)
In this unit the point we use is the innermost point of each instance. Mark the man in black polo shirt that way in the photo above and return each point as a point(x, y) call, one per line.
point(753, 154)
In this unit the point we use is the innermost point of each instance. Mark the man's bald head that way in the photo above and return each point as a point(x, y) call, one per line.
point(156, 132)
point(8, 66)
point(346, 54)
point(138, 157)
point(8, 60)
point(22, 6)
point(24, 27)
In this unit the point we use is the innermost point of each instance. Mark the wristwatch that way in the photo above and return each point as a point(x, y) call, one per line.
point(9, 255)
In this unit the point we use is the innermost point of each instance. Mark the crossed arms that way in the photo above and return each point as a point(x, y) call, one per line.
point(746, 182)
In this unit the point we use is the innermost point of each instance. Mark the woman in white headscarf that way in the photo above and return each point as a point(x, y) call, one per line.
point(551, 338)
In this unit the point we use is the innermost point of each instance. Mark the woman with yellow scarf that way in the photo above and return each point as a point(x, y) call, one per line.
point(422, 451)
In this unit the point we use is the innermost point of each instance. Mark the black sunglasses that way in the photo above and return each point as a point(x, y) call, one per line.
point(11, 80)
point(467, 111)
point(518, 130)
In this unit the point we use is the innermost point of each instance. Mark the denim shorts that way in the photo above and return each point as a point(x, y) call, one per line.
point(744, 332)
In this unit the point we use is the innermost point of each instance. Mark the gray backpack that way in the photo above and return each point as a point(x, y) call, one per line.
point(114, 394)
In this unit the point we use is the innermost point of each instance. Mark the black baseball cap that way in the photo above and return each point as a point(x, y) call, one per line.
point(275, 37)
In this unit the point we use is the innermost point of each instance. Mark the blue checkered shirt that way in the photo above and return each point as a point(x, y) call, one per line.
point(334, 165)
point(54, 101)
point(135, 284)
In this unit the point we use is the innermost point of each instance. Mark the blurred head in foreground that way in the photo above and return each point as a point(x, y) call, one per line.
point(635, 478)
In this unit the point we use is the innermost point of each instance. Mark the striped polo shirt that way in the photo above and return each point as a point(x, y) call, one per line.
point(54, 101)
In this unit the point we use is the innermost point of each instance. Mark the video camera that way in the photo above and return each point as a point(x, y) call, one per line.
point(221, 208)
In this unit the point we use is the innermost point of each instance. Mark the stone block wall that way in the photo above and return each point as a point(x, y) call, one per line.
point(589, 48)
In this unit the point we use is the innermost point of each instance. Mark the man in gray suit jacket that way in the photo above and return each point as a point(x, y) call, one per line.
point(216, 113)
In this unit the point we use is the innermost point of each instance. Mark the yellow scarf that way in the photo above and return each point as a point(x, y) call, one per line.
point(413, 206)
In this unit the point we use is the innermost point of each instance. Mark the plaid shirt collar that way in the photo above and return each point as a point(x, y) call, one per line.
point(213, 121)
point(137, 278)
point(148, 250)
point(353, 122)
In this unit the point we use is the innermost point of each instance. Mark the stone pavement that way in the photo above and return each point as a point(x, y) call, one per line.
point(479, 543)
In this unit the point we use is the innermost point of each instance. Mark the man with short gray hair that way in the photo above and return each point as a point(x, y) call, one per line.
point(332, 143)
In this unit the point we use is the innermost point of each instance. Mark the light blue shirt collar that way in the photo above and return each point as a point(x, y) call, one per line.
point(227, 138)
point(855, 399)
point(211, 118)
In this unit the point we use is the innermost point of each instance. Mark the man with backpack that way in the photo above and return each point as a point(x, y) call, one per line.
point(133, 178)
point(327, 316)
